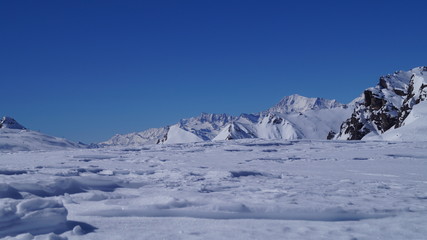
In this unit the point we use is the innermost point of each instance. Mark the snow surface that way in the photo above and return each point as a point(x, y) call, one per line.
point(243, 189)
point(149, 136)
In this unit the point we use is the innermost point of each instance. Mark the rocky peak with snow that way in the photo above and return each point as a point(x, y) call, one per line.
point(8, 122)
point(387, 104)
point(299, 104)
point(207, 125)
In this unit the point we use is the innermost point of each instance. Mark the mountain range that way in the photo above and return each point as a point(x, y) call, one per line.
point(294, 117)
point(395, 109)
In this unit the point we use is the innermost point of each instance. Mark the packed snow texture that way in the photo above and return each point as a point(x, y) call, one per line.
point(242, 189)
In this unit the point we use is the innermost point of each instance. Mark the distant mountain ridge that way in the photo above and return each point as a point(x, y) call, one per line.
point(294, 117)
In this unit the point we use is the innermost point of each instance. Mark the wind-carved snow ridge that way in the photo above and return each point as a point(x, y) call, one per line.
point(387, 106)
point(279, 189)
point(37, 216)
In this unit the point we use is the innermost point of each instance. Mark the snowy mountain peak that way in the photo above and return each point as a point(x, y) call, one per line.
point(8, 122)
point(300, 104)
point(208, 117)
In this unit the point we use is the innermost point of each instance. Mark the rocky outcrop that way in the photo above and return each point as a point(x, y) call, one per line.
point(387, 105)
point(8, 122)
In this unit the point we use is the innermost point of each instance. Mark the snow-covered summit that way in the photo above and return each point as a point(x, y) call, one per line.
point(206, 126)
point(299, 104)
point(8, 122)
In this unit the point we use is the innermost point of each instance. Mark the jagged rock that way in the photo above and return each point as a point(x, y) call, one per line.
point(331, 135)
point(387, 105)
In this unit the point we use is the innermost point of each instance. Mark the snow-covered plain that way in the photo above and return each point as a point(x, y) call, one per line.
point(243, 189)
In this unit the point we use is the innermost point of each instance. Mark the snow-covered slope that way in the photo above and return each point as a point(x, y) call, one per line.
point(296, 104)
point(239, 190)
point(206, 126)
point(15, 137)
point(176, 134)
point(387, 105)
point(150, 136)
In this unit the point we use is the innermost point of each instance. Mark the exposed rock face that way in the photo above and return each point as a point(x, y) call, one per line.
point(386, 105)
point(207, 125)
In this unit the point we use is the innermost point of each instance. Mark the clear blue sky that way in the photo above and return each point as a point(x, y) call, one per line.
point(86, 70)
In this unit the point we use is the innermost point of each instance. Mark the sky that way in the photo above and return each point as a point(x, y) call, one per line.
point(86, 70)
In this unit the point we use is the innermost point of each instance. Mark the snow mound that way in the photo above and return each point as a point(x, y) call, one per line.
point(35, 216)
